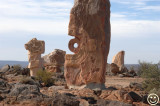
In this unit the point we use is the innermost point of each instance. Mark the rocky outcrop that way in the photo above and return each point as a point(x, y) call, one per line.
point(54, 62)
point(118, 59)
point(35, 49)
point(117, 67)
point(90, 25)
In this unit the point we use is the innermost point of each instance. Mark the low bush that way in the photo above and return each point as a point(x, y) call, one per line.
point(17, 67)
point(45, 77)
point(151, 74)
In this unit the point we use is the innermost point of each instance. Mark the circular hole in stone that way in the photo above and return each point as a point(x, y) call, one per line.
point(75, 45)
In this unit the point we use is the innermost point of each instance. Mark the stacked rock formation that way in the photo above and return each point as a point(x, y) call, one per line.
point(54, 62)
point(117, 66)
point(90, 25)
point(35, 49)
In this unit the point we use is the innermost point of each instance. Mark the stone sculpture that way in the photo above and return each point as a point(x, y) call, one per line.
point(90, 27)
point(54, 62)
point(118, 59)
point(35, 49)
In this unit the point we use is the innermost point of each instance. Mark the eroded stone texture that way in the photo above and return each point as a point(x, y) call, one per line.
point(90, 25)
point(118, 59)
point(54, 62)
point(35, 49)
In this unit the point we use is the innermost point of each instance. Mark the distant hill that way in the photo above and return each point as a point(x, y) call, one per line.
point(25, 63)
point(11, 63)
point(135, 66)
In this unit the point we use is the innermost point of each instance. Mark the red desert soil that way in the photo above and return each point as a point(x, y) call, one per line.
point(121, 82)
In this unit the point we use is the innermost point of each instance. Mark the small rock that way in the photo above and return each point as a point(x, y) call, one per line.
point(56, 88)
point(121, 75)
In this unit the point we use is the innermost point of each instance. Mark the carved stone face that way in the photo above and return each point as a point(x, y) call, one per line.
point(90, 25)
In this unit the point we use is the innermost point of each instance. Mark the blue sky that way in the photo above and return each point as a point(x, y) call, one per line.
point(135, 27)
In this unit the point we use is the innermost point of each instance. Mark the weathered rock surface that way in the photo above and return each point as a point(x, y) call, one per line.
point(114, 69)
point(65, 100)
point(54, 62)
point(21, 92)
point(4, 69)
point(35, 49)
point(118, 59)
point(90, 25)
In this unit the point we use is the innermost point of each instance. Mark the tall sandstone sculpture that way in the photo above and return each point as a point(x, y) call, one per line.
point(118, 59)
point(90, 27)
point(35, 49)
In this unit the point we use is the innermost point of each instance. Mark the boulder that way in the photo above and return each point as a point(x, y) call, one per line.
point(90, 26)
point(135, 97)
point(4, 69)
point(123, 69)
point(114, 69)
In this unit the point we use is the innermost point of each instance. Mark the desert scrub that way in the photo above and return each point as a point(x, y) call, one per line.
point(17, 67)
point(151, 74)
point(156, 91)
point(45, 77)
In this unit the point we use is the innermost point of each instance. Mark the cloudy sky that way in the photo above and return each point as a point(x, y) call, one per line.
point(135, 27)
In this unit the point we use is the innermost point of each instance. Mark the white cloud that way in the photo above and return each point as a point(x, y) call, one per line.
point(153, 8)
point(43, 17)
point(32, 8)
point(36, 26)
point(126, 28)
point(117, 15)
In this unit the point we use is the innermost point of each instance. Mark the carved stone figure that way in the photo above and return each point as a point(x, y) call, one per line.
point(35, 49)
point(54, 62)
point(90, 27)
point(118, 59)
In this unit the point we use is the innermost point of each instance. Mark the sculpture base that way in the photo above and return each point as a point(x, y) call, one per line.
point(93, 86)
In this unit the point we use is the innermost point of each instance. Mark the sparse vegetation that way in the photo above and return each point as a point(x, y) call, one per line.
point(17, 67)
point(151, 73)
point(156, 91)
point(45, 77)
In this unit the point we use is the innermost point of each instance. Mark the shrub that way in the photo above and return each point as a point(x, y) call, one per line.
point(45, 77)
point(156, 91)
point(151, 74)
point(17, 67)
